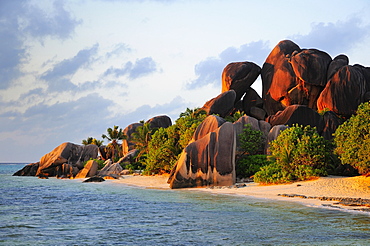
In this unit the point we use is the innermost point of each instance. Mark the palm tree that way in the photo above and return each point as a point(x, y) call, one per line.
point(141, 137)
point(113, 149)
point(91, 140)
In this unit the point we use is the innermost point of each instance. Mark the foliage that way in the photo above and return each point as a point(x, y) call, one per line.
point(248, 165)
point(187, 123)
point(113, 149)
point(250, 140)
point(140, 138)
point(299, 153)
point(235, 116)
point(162, 150)
point(91, 140)
point(352, 140)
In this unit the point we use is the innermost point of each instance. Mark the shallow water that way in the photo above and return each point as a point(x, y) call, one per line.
point(68, 212)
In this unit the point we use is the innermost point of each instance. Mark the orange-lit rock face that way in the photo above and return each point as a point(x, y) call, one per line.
point(239, 76)
point(293, 76)
point(209, 160)
point(344, 91)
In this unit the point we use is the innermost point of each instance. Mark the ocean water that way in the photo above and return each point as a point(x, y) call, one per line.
point(68, 212)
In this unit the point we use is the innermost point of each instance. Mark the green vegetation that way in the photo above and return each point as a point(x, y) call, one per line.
point(248, 162)
point(299, 153)
point(91, 140)
point(160, 148)
point(113, 149)
point(352, 140)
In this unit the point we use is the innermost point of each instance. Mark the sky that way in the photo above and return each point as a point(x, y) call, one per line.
point(71, 69)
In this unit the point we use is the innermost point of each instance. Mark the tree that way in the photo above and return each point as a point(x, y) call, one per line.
point(352, 140)
point(113, 149)
point(91, 140)
point(140, 138)
point(299, 153)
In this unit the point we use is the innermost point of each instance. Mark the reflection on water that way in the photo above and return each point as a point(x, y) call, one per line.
point(63, 212)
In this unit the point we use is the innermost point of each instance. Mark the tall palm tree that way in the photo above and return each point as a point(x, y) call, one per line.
point(113, 149)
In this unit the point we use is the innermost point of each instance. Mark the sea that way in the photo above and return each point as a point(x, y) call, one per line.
point(69, 212)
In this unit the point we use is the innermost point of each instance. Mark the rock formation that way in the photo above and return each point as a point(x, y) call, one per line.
point(222, 105)
point(90, 170)
point(239, 76)
point(207, 161)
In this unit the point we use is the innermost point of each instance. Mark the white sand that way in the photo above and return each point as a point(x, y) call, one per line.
point(332, 186)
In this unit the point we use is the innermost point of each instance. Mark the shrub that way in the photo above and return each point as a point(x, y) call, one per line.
point(352, 140)
point(250, 140)
point(250, 164)
point(299, 153)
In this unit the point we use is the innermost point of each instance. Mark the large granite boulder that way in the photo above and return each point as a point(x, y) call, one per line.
point(331, 123)
point(209, 124)
point(28, 170)
point(90, 170)
point(239, 126)
point(160, 121)
point(292, 75)
point(344, 91)
point(278, 76)
point(209, 161)
point(239, 76)
point(65, 171)
point(252, 104)
point(297, 114)
point(127, 145)
point(338, 62)
point(110, 169)
point(68, 153)
point(222, 105)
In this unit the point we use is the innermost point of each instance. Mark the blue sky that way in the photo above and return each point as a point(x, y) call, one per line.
point(71, 69)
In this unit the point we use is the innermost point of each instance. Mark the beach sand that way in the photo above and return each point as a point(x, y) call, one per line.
point(331, 186)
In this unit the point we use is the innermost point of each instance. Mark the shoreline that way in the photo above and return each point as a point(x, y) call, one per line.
point(325, 192)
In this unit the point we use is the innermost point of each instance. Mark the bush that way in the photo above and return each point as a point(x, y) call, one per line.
point(352, 140)
point(299, 153)
point(250, 140)
point(250, 164)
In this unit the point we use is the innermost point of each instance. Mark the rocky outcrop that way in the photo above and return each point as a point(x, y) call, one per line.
point(110, 169)
point(239, 76)
point(344, 92)
point(28, 170)
point(291, 76)
point(66, 153)
point(160, 121)
point(222, 105)
point(65, 171)
point(297, 114)
point(90, 169)
point(331, 123)
point(209, 124)
point(252, 105)
point(209, 161)
point(278, 76)
point(127, 145)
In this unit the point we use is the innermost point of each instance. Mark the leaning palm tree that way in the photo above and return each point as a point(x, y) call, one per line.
point(113, 149)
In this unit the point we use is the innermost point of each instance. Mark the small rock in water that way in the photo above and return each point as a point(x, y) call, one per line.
point(94, 179)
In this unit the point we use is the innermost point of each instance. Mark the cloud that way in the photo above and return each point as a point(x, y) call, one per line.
point(58, 76)
point(334, 38)
point(141, 67)
point(209, 70)
point(118, 50)
point(46, 126)
point(20, 20)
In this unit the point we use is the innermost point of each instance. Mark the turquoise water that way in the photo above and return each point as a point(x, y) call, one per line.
point(68, 212)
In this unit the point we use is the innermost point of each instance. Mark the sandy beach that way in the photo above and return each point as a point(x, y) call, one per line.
point(331, 186)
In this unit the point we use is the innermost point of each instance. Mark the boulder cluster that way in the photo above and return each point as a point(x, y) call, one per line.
point(297, 84)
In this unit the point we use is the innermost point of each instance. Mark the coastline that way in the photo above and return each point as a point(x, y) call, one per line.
point(309, 193)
